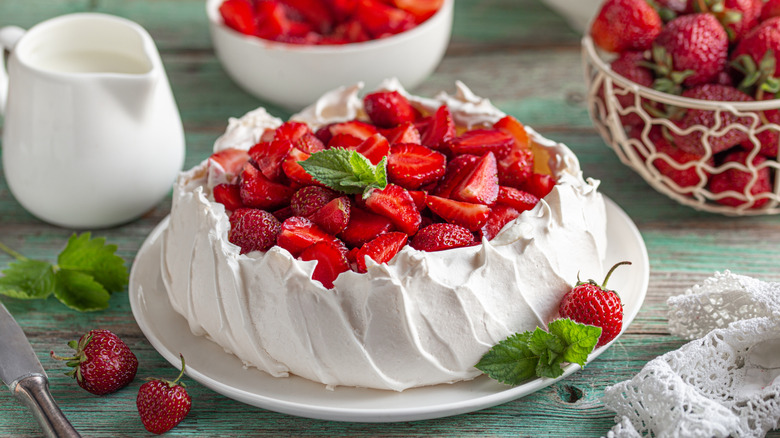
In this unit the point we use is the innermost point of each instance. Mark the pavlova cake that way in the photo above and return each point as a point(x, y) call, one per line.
point(383, 242)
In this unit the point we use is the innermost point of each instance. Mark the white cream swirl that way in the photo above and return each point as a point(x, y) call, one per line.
point(422, 319)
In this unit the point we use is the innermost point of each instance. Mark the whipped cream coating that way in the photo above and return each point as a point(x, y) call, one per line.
point(424, 318)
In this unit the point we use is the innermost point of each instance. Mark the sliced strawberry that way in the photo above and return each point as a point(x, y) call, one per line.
point(361, 130)
point(333, 217)
point(315, 12)
point(291, 130)
point(349, 31)
point(381, 249)
point(258, 191)
point(419, 198)
point(516, 167)
point(516, 198)
point(457, 170)
point(374, 148)
point(364, 226)
point(283, 213)
point(230, 161)
point(347, 141)
point(412, 165)
point(272, 20)
point(381, 20)
point(513, 127)
point(342, 9)
point(439, 130)
point(331, 257)
point(253, 229)
point(479, 141)
point(387, 109)
point(396, 204)
point(239, 16)
point(309, 199)
point(420, 9)
point(403, 133)
point(293, 169)
point(441, 236)
point(298, 233)
point(539, 184)
point(309, 143)
point(228, 195)
point(480, 185)
point(466, 214)
point(500, 215)
point(269, 156)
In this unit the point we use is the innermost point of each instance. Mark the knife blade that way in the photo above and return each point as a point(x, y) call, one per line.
point(21, 370)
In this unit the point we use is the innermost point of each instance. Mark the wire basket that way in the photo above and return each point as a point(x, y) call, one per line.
point(622, 112)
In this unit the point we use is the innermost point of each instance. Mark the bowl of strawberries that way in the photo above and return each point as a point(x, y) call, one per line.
point(289, 52)
point(685, 93)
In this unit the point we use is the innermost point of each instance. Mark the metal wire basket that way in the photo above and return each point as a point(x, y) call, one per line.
point(621, 111)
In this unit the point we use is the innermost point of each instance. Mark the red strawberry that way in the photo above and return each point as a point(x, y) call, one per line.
point(355, 128)
point(676, 166)
point(333, 217)
point(374, 148)
point(364, 226)
point(441, 236)
point(309, 143)
point(457, 170)
point(381, 249)
point(466, 214)
point(230, 162)
point(413, 166)
point(396, 204)
point(697, 46)
point(292, 168)
point(403, 133)
point(347, 141)
point(381, 20)
point(480, 185)
point(291, 130)
point(272, 19)
point(228, 195)
point(298, 233)
point(387, 109)
point(755, 180)
point(770, 9)
point(514, 168)
point(162, 404)
point(258, 191)
point(419, 197)
point(102, 363)
point(693, 142)
point(439, 129)
point(622, 25)
point(479, 141)
point(269, 156)
point(629, 65)
point(331, 257)
point(538, 184)
point(513, 127)
point(761, 41)
point(591, 304)
point(253, 230)
point(315, 12)
point(349, 31)
point(307, 200)
point(239, 16)
point(500, 215)
point(420, 9)
point(736, 16)
point(516, 198)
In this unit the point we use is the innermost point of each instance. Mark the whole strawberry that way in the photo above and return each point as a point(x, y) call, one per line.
point(589, 303)
point(162, 404)
point(102, 363)
point(622, 25)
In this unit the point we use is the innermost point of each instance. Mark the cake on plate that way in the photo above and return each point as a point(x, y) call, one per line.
point(393, 286)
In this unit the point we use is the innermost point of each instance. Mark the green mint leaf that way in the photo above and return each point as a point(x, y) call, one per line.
point(28, 279)
point(550, 349)
point(93, 257)
point(580, 339)
point(346, 171)
point(80, 291)
point(510, 361)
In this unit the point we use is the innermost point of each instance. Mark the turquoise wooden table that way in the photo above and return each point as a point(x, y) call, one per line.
point(527, 61)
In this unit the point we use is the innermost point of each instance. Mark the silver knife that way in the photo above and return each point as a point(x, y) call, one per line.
point(21, 370)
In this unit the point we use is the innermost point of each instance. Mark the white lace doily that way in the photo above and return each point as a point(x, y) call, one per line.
point(725, 383)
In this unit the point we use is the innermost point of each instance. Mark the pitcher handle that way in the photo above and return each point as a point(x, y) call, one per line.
point(9, 36)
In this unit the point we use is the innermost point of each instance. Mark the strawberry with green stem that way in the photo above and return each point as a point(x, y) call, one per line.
point(163, 404)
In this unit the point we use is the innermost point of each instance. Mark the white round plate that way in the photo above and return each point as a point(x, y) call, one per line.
point(210, 365)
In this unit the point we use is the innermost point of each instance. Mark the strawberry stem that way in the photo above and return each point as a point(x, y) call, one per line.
point(181, 373)
point(11, 252)
point(604, 284)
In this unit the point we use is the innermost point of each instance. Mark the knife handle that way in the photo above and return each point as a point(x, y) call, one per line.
point(33, 391)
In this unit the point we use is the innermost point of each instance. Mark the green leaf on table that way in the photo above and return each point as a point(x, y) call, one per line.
point(80, 291)
point(28, 279)
point(540, 353)
point(95, 258)
point(346, 171)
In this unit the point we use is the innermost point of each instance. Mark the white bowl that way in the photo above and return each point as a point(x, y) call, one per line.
point(293, 75)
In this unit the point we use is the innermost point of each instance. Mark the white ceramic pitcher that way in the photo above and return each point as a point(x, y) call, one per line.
point(92, 136)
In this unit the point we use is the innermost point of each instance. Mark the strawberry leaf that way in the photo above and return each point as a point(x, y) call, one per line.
point(346, 171)
point(95, 258)
point(28, 279)
point(80, 291)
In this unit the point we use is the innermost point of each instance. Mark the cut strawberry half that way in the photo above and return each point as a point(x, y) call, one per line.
point(516, 167)
point(230, 161)
point(466, 214)
point(292, 168)
point(331, 257)
point(500, 215)
point(396, 204)
point(381, 20)
point(480, 141)
point(253, 230)
point(457, 170)
point(439, 129)
point(228, 195)
point(538, 184)
point(292, 131)
point(347, 141)
point(381, 249)
point(356, 128)
point(258, 191)
point(519, 199)
point(272, 20)
point(239, 16)
point(309, 199)
point(309, 143)
point(315, 12)
point(413, 166)
point(298, 233)
point(374, 148)
point(333, 217)
point(387, 109)
point(268, 156)
point(364, 226)
point(441, 236)
point(403, 133)
point(480, 184)
point(513, 127)
point(419, 198)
